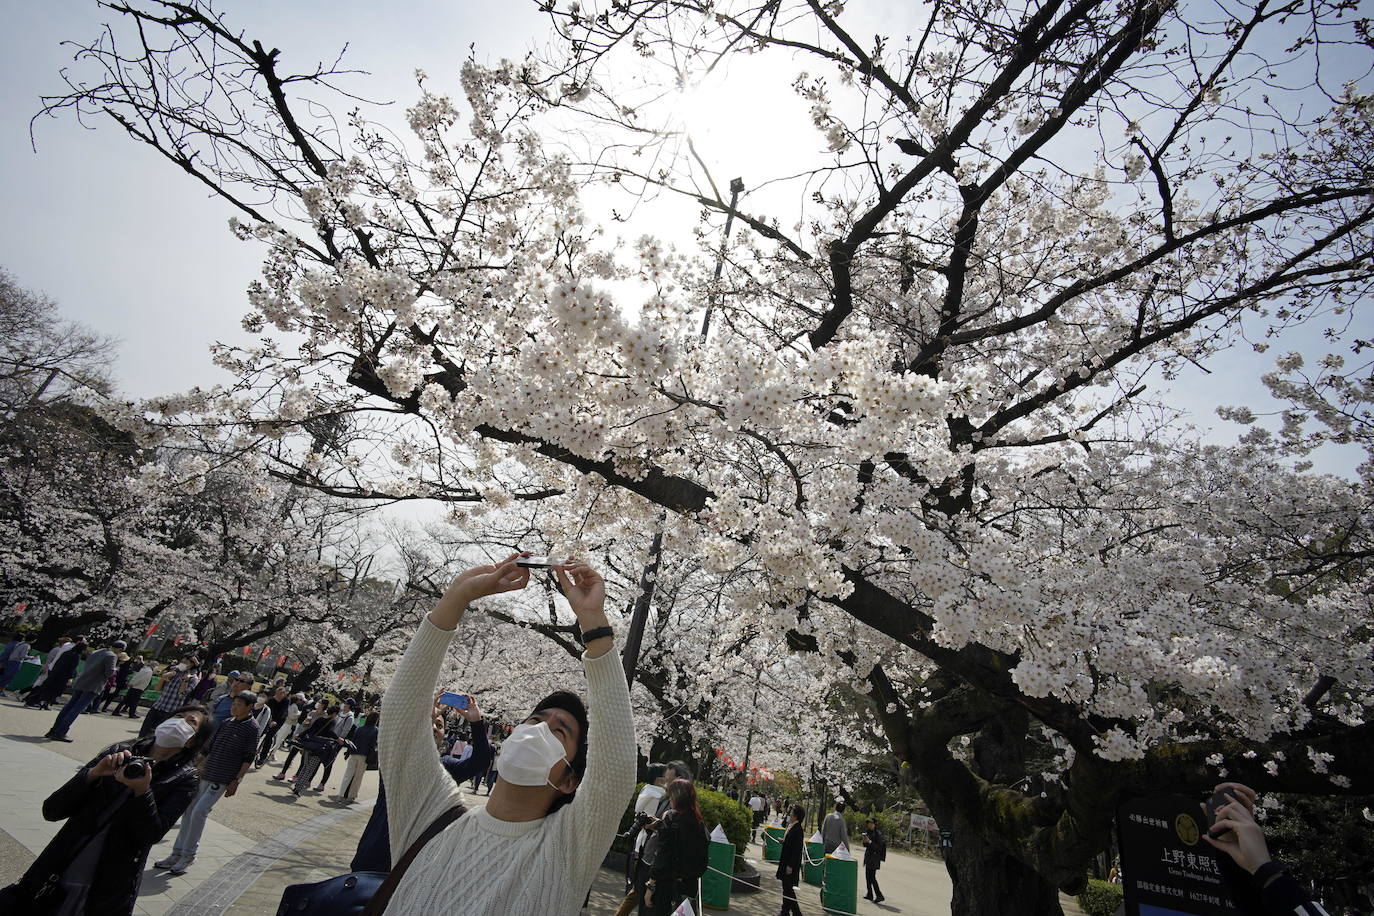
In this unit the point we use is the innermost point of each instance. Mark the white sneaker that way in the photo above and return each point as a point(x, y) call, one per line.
point(168, 862)
point(182, 865)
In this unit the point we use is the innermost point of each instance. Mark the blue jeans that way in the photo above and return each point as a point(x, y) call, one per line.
point(193, 821)
point(75, 707)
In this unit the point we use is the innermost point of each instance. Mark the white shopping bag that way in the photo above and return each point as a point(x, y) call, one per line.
point(684, 909)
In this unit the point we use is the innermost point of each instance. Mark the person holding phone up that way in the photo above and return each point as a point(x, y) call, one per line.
point(564, 776)
point(1235, 832)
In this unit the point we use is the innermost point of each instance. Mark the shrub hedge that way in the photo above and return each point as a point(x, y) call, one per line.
point(1100, 899)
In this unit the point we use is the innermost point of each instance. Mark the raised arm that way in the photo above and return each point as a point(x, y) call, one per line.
point(418, 788)
point(590, 821)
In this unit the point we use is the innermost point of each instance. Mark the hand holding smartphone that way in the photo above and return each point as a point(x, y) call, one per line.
point(456, 700)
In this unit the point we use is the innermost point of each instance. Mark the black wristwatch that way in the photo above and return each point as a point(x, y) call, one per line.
point(596, 633)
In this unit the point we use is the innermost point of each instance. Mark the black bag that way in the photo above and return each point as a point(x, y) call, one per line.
point(361, 893)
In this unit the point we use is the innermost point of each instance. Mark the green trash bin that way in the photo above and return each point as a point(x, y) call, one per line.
point(813, 866)
point(720, 869)
point(840, 892)
point(772, 843)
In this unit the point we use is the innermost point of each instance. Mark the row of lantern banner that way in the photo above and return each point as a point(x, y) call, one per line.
point(756, 773)
point(251, 651)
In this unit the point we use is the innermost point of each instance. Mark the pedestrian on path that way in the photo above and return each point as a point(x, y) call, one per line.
point(175, 686)
point(790, 861)
point(318, 744)
point(344, 726)
point(53, 655)
point(139, 679)
point(220, 707)
point(60, 674)
point(113, 818)
point(362, 756)
point(875, 853)
point(114, 684)
point(230, 756)
point(89, 683)
point(278, 706)
point(834, 831)
point(13, 659)
point(539, 841)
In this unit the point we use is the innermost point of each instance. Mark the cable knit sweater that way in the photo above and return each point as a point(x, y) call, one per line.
point(481, 866)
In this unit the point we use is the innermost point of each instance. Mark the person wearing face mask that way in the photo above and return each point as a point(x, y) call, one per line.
point(175, 687)
point(562, 780)
point(95, 862)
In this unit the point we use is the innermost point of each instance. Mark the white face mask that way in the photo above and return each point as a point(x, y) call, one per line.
point(174, 733)
point(528, 755)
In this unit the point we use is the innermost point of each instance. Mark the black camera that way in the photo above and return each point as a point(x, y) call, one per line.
point(137, 767)
point(636, 826)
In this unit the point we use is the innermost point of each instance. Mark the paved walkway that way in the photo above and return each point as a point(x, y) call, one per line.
point(263, 839)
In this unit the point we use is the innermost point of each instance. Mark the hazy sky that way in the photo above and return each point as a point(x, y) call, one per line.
point(137, 250)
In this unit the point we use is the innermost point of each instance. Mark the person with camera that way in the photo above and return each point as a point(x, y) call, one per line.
point(116, 808)
point(1235, 832)
point(681, 858)
point(650, 806)
point(561, 784)
point(228, 759)
point(646, 808)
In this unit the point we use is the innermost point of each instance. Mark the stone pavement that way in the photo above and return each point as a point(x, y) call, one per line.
point(263, 838)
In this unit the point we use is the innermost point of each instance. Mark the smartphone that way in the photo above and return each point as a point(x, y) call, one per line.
point(456, 700)
point(538, 562)
point(1223, 797)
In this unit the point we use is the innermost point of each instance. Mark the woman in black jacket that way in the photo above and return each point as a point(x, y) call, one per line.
point(875, 852)
point(790, 862)
point(95, 863)
point(681, 858)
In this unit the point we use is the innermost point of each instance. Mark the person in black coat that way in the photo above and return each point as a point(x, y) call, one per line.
point(681, 858)
point(875, 852)
point(790, 862)
point(95, 862)
point(59, 675)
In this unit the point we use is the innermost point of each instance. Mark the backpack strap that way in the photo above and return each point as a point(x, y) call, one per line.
point(377, 905)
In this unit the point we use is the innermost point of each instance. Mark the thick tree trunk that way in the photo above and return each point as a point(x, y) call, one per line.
point(989, 883)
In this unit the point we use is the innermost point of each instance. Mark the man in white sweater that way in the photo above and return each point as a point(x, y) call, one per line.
point(534, 848)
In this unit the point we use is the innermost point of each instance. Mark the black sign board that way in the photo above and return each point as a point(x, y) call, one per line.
point(1167, 868)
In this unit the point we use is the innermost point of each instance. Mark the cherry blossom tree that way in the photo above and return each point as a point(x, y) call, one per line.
point(921, 435)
